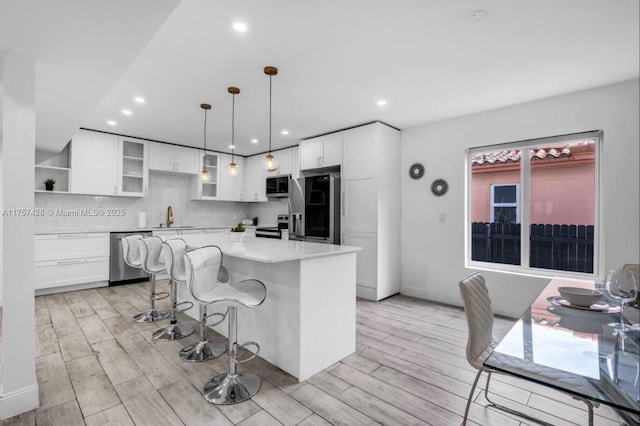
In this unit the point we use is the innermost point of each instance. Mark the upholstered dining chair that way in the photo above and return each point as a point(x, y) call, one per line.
point(480, 342)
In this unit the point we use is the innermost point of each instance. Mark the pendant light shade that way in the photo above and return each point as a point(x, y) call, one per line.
point(205, 174)
point(270, 161)
point(233, 167)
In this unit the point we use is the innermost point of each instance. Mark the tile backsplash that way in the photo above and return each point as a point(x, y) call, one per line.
point(165, 189)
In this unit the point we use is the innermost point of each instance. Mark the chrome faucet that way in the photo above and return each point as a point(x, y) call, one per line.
point(169, 216)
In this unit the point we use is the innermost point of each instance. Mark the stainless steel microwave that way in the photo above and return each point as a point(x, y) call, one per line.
point(278, 186)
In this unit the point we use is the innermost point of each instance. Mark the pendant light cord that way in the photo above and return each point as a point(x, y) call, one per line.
point(205, 131)
point(233, 126)
point(270, 79)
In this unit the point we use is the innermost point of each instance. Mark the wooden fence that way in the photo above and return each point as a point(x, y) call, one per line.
point(558, 247)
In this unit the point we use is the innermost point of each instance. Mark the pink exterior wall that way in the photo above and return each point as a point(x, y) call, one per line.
point(560, 194)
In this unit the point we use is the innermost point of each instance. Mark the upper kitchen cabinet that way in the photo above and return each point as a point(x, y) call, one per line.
point(209, 189)
point(133, 167)
point(255, 183)
point(288, 162)
point(94, 163)
point(231, 186)
point(172, 158)
point(323, 151)
point(371, 207)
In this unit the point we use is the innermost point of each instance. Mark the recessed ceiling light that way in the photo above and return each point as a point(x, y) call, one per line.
point(232, 147)
point(381, 102)
point(240, 27)
point(478, 15)
point(254, 140)
point(111, 123)
point(138, 100)
point(126, 112)
point(285, 132)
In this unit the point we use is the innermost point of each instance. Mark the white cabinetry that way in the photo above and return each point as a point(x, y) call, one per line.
point(231, 187)
point(371, 207)
point(104, 164)
point(288, 161)
point(94, 163)
point(323, 151)
point(133, 167)
point(210, 189)
point(63, 260)
point(255, 184)
point(172, 158)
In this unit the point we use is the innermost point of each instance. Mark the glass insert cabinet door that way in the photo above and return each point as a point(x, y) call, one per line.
point(133, 167)
point(209, 188)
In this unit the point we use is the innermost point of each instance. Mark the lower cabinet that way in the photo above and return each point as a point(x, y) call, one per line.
point(63, 260)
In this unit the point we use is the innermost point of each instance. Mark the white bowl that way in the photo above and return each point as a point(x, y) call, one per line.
point(580, 296)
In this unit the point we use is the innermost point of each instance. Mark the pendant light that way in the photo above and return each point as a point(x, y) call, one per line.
point(233, 167)
point(205, 173)
point(270, 161)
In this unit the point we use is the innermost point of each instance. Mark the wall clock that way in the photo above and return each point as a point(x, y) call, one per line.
point(439, 187)
point(416, 171)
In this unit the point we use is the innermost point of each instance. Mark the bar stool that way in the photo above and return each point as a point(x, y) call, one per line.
point(202, 266)
point(173, 251)
point(204, 349)
point(150, 250)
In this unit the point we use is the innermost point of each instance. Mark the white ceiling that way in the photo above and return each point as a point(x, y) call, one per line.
point(429, 59)
point(80, 48)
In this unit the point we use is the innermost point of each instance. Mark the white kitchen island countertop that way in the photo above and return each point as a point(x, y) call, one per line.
point(267, 250)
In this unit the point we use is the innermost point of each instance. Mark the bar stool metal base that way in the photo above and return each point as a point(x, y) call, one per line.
point(173, 332)
point(202, 351)
point(150, 316)
point(227, 389)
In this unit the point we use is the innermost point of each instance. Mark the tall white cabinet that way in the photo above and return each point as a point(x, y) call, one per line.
point(371, 206)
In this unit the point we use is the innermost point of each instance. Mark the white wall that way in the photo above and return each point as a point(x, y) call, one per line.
point(432, 253)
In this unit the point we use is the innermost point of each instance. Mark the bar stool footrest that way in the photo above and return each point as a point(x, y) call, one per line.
point(161, 295)
point(202, 351)
point(242, 361)
point(180, 309)
point(150, 316)
point(226, 389)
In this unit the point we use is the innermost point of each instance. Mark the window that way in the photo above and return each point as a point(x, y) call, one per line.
point(505, 203)
point(542, 191)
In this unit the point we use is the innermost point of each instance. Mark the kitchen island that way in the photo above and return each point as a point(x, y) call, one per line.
point(308, 320)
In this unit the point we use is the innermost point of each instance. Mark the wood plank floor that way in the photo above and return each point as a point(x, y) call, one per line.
point(95, 367)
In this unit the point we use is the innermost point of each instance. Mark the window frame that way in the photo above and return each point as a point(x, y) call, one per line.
point(494, 204)
point(525, 208)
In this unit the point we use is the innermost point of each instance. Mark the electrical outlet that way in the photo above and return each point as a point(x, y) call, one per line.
point(442, 217)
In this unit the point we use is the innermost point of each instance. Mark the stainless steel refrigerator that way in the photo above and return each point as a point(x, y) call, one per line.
point(314, 208)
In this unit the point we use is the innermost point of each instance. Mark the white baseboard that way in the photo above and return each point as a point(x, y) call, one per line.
point(366, 292)
point(18, 402)
point(52, 290)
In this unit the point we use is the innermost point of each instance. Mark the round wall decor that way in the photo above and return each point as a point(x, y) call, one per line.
point(439, 187)
point(416, 171)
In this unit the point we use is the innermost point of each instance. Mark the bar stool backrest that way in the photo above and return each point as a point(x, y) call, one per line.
point(150, 251)
point(202, 267)
point(174, 251)
point(131, 250)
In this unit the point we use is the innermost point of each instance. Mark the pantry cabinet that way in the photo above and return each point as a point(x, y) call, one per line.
point(371, 207)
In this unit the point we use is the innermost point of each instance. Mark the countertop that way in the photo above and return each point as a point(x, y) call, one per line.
point(266, 250)
point(87, 230)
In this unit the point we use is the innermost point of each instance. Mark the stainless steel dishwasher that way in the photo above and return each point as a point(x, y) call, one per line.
point(120, 272)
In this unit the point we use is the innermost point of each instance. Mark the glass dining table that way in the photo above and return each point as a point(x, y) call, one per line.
point(575, 350)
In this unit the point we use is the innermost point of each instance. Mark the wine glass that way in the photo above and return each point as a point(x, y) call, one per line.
point(616, 288)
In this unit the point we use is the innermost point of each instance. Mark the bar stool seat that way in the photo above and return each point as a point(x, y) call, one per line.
point(150, 253)
point(202, 266)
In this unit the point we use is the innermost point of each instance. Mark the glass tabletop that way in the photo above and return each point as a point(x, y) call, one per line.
point(573, 349)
